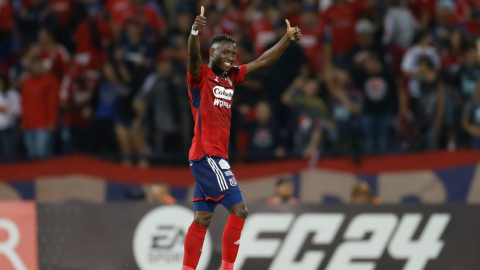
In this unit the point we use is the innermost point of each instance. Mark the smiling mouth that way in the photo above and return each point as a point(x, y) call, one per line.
point(228, 65)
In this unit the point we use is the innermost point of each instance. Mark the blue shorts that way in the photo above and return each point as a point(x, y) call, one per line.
point(215, 184)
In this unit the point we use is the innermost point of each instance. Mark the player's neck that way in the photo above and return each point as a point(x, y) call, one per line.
point(216, 69)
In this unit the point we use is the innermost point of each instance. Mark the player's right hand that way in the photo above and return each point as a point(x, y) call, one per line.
point(200, 20)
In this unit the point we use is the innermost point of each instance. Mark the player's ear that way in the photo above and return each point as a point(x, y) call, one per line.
point(211, 51)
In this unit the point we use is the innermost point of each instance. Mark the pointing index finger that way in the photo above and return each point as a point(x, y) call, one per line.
point(288, 23)
point(202, 11)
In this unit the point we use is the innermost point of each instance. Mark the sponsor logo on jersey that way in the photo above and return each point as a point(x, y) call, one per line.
point(228, 173)
point(233, 182)
point(221, 103)
point(221, 92)
point(224, 164)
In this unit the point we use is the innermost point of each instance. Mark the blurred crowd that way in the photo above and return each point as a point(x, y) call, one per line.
point(284, 193)
point(108, 77)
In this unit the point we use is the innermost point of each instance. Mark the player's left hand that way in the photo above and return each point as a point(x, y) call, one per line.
point(293, 33)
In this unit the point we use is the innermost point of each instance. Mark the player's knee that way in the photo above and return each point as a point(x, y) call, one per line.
point(242, 213)
point(203, 218)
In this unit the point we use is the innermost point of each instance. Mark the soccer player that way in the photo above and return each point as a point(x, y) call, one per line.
point(211, 90)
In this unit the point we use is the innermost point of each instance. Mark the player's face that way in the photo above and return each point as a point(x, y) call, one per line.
point(224, 55)
point(285, 191)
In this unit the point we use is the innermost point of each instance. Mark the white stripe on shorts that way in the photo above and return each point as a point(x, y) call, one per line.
point(221, 174)
point(211, 162)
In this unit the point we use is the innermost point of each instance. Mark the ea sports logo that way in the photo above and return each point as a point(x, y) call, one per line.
point(159, 237)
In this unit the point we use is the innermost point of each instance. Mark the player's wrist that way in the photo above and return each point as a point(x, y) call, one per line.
point(194, 31)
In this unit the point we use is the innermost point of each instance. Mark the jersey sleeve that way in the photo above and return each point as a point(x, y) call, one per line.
point(194, 81)
point(237, 73)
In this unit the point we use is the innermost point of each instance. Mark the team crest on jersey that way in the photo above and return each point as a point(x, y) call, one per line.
point(233, 182)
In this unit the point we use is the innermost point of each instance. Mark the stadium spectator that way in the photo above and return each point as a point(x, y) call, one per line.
point(147, 12)
point(379, 87)
point(453, 57)
point(400, 25)
point(183, 24)
point(447, 21)
point(134, 56)
point(64, 9)
point(6, 18)
point(471, 118)
point(429, 107)
point(160, 192)
point(467, 76)
point(160, 94)
point(19, 71)
point(264, 135)
point(54, 55)
point(110, 88)
point(473, 21)
point(291, 65)
point(217, 25)
point(365, 46)
point(136, 52)
point(311, 113)
point(453, 52)
point(312, 33)
point(129, 33)
point(284, 191)
point(292, 11)
point(361, 194)
point(76, 93)
point(7, 41)
point(93, 37)
point(261, 22)
point(424, 11)
point(399, 29)
point(346, 106)
point(423, 47)
point(39, 102)
point(115, 10)
point(462, 88)
point(340, 19)
point(10, 110)
point(37, 14)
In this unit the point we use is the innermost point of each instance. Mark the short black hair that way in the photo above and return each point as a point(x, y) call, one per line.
point(283, 180)
point(221, 38)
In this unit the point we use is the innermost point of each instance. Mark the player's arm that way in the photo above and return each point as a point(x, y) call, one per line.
point(194, 57)
point(271, 56)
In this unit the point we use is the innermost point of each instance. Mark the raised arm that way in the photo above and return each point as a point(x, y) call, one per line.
point(194, 57)
point(271, 56)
